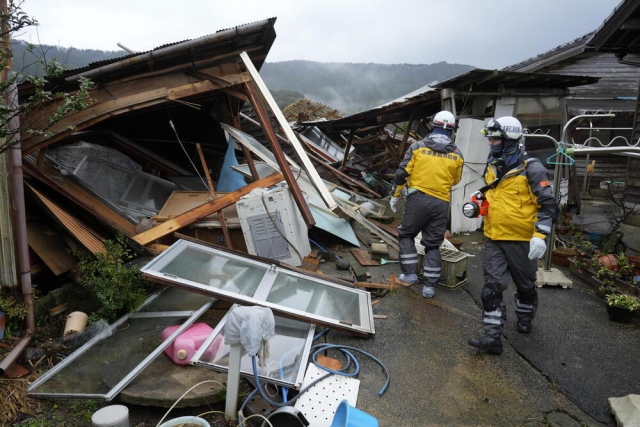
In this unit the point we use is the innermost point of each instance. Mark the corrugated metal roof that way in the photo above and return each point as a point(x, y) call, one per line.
point(491, 80)
point(571, 48)
point(98, 64)
point(428, 102)
point(256, 38)
point(620, 32)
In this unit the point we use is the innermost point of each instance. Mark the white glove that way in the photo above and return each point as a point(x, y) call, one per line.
point(537, 247)
point(393, 202)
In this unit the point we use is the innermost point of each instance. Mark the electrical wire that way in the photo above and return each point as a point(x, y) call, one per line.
point(187, 154)
point(184, 394)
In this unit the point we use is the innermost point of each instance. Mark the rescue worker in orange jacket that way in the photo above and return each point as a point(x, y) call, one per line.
point(521, 213)
point(429, 169)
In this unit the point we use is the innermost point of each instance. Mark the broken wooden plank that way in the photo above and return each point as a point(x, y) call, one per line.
point(372, 285)
point(310, 264)
point(392, 228)
point(202, 211)
point(363, 257)
point(89, 238)
point(74, 192)
point(50, 247)
point(395, 280)
point(284, 124)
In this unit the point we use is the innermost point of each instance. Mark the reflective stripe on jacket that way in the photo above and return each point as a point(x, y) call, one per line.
point(522, 204)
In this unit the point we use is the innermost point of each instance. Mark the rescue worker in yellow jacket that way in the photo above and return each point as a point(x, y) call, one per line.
point(429, 169)
point(521, 213)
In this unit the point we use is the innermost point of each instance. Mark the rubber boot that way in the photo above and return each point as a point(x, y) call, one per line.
point(408, 278)
point(428, 291)
point(525, 313)
point(488, 344)
point(524, 326)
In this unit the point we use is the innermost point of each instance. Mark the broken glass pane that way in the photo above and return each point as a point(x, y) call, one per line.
point(287, 356)
point(246, 281)
point(102, 367)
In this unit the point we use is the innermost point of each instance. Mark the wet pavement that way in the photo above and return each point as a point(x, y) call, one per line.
point(561, 374)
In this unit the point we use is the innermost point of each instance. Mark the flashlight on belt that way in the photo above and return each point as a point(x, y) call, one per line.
point(478, 206)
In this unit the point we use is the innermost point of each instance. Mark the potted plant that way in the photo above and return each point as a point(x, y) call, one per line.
point(560, 256)
point(621, 307)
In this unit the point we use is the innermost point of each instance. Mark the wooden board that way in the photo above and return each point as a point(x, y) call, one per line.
point(389, 228)
point(363, 257)
point(50, 247)
point(181, 201)
point(203, 211)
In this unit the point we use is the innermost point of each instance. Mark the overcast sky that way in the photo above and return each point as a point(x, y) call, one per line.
point(487, 34)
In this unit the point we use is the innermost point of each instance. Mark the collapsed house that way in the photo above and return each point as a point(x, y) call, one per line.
point(155, 157)
point(119, 166)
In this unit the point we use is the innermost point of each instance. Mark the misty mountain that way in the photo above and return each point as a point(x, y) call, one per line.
point(354, 87)
point(348, 87)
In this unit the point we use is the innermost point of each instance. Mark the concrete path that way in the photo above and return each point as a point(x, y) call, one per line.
point(562, 373)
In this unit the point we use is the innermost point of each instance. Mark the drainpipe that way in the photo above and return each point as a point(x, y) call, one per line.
point(17, 186)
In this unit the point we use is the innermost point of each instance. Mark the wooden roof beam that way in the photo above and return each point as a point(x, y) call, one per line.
point(202, 211)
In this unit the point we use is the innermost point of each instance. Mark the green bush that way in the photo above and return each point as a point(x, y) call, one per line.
point(119, 289)
point(14, 308)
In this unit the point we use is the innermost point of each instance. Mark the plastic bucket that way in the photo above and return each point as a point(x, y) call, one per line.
point(111, 416)
point(348, 416)
point(189, 420)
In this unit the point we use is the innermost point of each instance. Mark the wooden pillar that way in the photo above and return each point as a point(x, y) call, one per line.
point(265, 122)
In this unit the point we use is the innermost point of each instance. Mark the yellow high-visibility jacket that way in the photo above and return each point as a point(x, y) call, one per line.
point(432, 166)
point(522, 205)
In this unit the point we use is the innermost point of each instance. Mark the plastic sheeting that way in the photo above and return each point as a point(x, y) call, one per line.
point(249, 326)
point(230, 180)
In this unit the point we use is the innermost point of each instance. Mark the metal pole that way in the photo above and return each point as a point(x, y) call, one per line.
point(556, 174)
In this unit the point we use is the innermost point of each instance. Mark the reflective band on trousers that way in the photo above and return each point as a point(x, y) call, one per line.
point(493, 317)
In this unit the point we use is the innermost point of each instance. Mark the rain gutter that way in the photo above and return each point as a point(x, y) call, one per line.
point(21, 232)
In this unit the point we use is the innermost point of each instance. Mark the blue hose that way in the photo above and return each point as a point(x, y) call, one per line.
point(317, 349)
point(315, 243)
point(350, 358)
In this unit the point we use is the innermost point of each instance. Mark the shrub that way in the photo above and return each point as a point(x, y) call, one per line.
point(119, 289)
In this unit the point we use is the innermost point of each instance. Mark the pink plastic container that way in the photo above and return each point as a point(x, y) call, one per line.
point(186, 345)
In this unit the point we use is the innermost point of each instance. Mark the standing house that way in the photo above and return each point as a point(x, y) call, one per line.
point(612, 54)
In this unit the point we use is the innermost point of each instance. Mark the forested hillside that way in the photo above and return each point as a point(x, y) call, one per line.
point(351, 87)
point(348, 87)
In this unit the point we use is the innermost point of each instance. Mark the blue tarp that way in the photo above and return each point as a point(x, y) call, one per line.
point(230, 180)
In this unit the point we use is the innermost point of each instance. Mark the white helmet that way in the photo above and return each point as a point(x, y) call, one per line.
point(444, 120)
point(506, 127)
